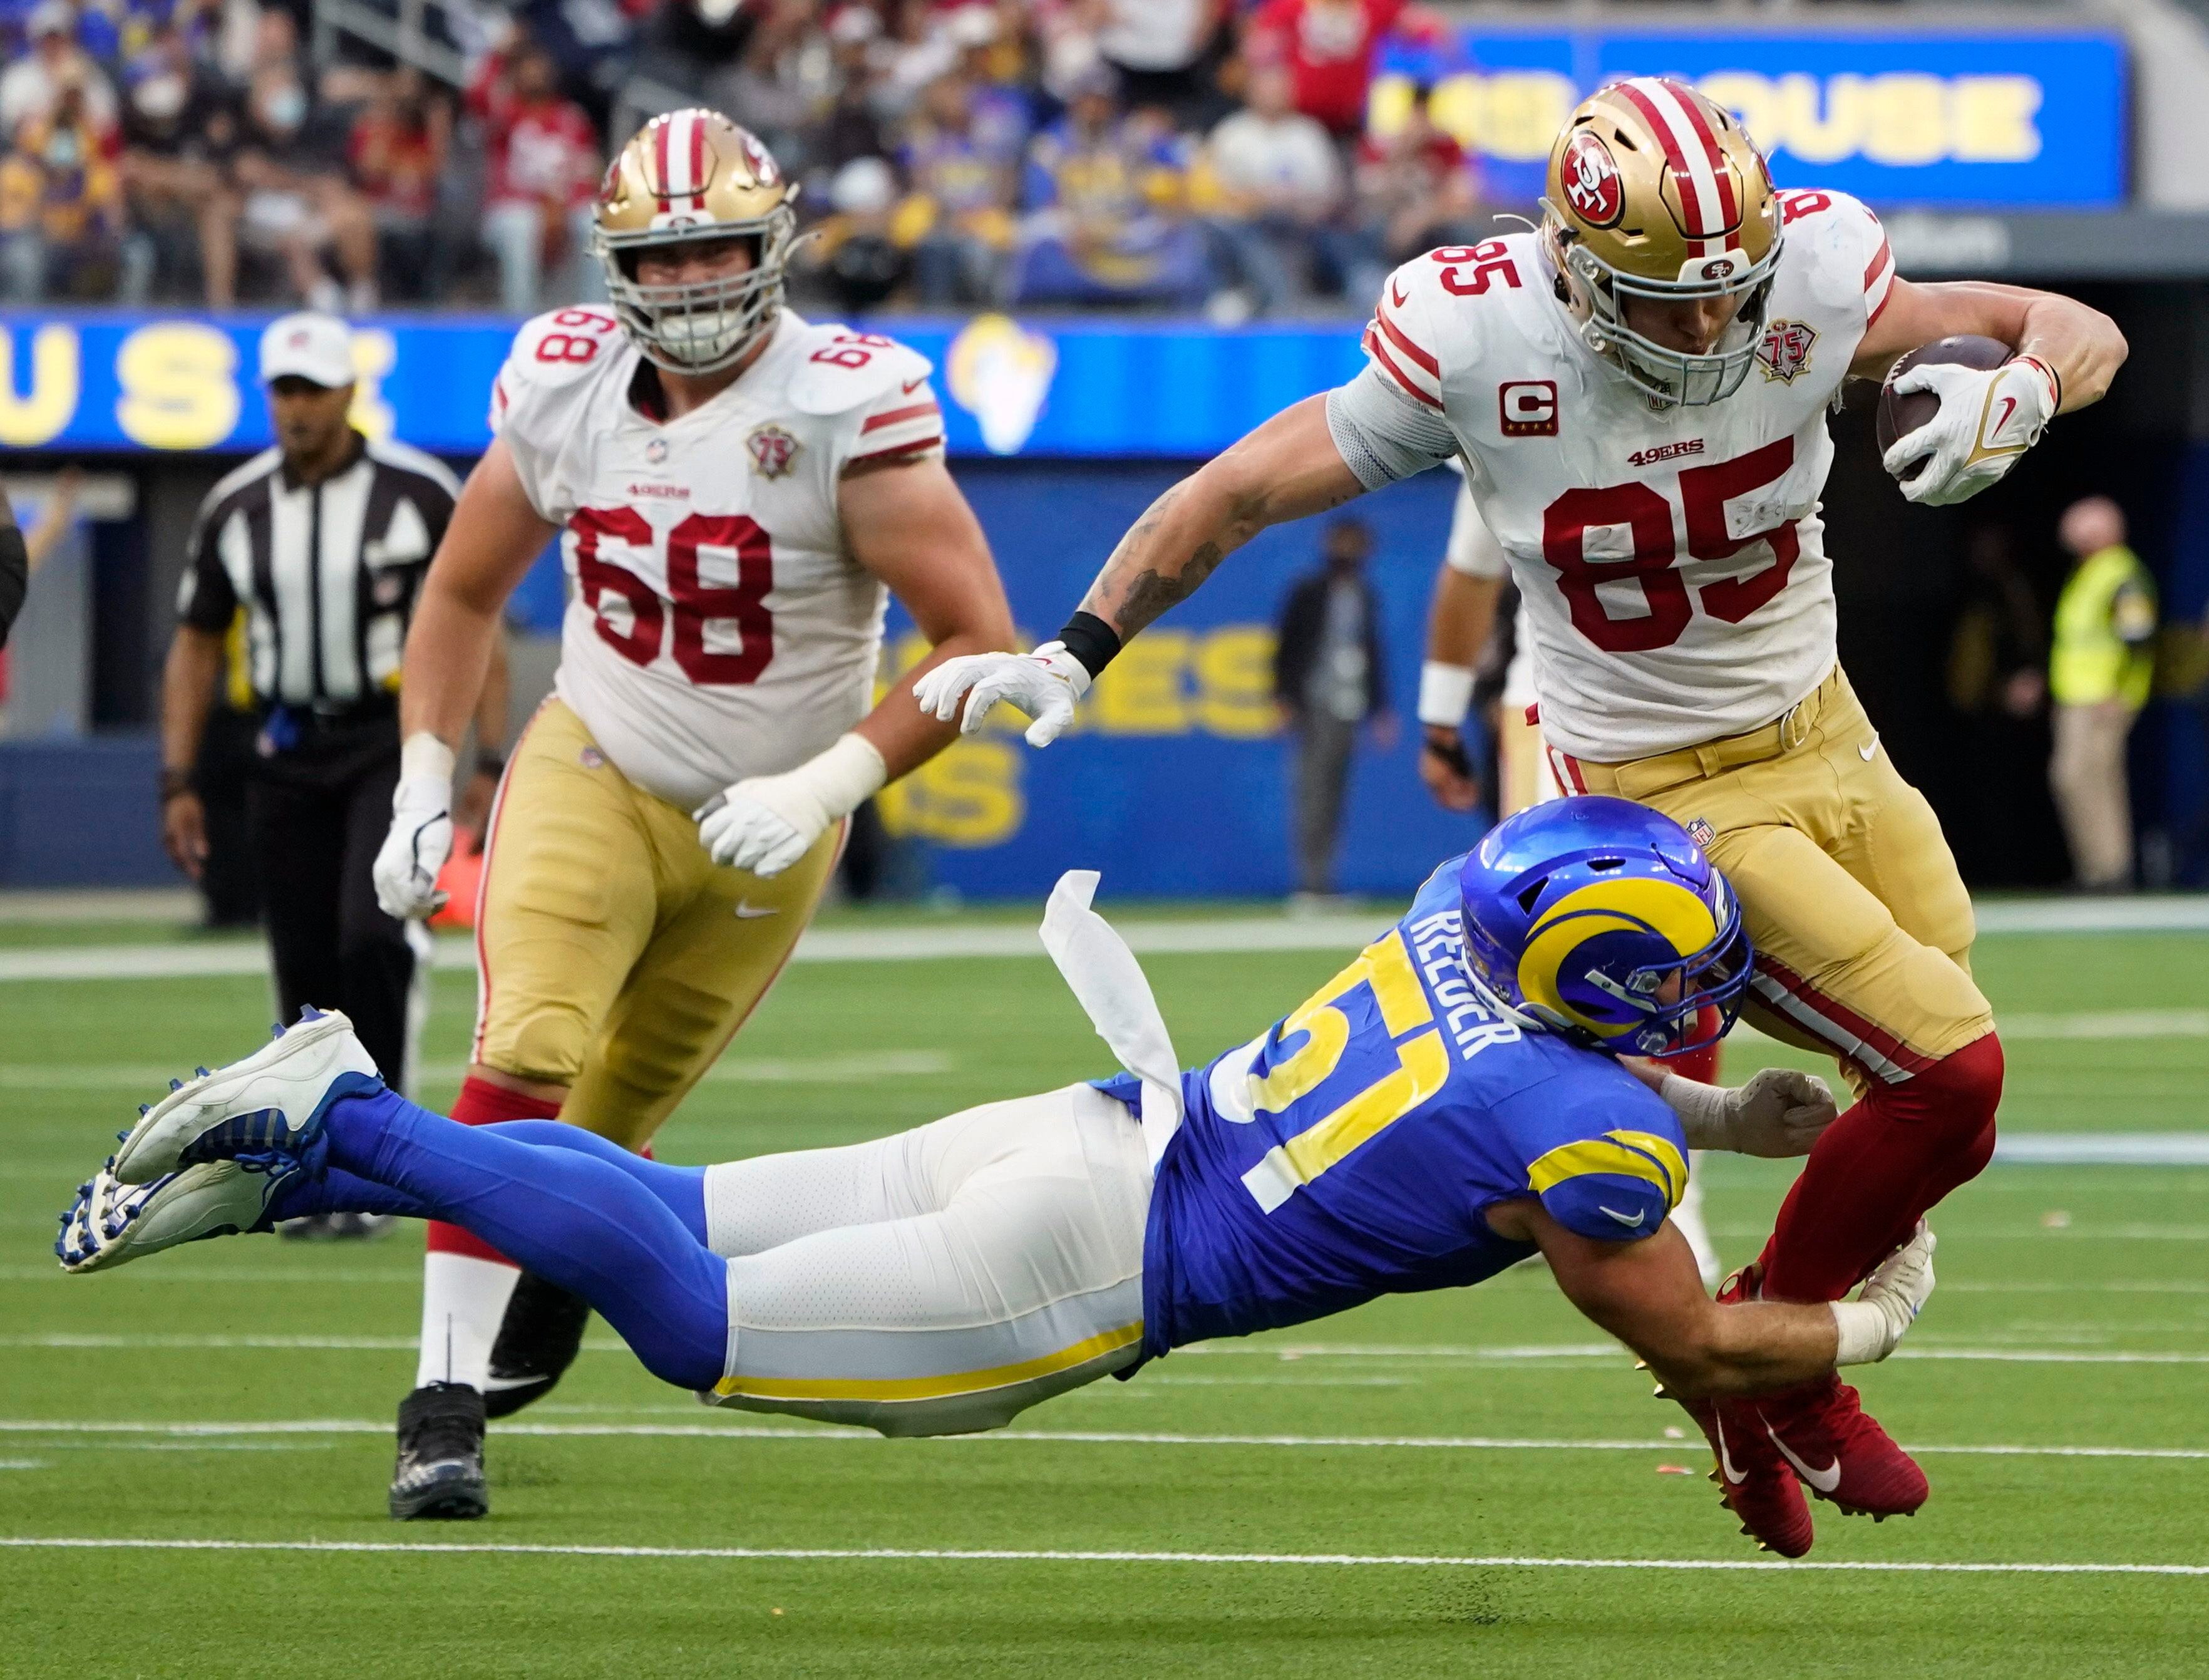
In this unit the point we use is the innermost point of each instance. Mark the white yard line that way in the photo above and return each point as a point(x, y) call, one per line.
point(158, 1341)
point(306, 1276)
point(1229, 935)
point(707, 1432)
point(2102, 1149)
point(989, 1555)
point(855, 1068)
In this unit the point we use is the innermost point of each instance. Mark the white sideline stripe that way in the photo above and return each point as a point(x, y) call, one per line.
point(78, 1341)
point(853, 1068)
point(1229, 935)
point(1075, 1437)
point(2103, 1148)
point(988, 1555)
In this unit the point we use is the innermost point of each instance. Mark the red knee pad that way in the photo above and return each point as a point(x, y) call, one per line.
point(1958, 1093)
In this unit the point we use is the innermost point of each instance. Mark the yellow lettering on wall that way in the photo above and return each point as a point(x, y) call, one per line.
point(968, 795)
point(25, 422)
point(1389, 103)
point(179, 386)
point(1513, 114)
point(1235, 682)
point(1906, 120)
point(1140, 693)
point(1819, 129)
point(374, 356)
point(1458, 106)
point(1526, 108)
point(1992, 119)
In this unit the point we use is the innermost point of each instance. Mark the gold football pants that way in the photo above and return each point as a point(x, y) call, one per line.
point(613, 956)
point(1862, 926)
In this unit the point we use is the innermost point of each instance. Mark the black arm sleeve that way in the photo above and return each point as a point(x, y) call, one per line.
point(14, 578)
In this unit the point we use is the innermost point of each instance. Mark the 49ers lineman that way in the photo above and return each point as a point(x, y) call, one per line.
point(735, 488)
point(1638, 390)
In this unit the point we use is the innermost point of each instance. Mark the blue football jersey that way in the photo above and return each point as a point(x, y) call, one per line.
point(1354, 1149)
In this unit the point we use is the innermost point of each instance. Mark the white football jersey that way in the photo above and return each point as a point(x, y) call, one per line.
point(717, 628)
point(1671, 559)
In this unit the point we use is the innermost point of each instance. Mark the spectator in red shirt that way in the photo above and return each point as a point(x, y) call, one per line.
point(544, 165)
point(1329, 47)
point(1416, 189)
point(397, 150)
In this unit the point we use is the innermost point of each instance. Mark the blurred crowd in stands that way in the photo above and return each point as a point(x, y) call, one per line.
point(1181, 153)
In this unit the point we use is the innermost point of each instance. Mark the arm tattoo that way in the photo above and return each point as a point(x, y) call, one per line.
point(1151, 592)
point(1129, 599)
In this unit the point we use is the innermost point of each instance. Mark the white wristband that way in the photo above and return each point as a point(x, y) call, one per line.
point(845, 776)
point(424, 758)
point(1701, 1109)
point(1445, 693)
point(1865, 1334)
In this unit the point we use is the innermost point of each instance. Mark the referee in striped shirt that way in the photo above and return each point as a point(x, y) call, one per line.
point(323, 540)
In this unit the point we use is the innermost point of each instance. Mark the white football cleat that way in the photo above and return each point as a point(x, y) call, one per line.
point(271, 1103)
point(114, 1223)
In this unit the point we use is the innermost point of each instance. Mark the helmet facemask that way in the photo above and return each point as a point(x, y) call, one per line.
point(702, 326)
point(1598, 293)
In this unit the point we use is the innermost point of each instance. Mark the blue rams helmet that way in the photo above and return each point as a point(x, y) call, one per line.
point(1601, 919)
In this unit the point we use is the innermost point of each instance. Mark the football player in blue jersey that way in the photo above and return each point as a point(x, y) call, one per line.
point(1465, 1094)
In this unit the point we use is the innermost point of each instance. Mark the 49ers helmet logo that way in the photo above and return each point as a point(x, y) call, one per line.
point(1591, 181)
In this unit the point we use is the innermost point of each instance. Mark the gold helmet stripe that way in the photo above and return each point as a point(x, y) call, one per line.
point(1697, 164)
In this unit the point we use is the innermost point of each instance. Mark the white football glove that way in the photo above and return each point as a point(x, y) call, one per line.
point(767, 823)
point(1044, 685)
point(1778, 1114)
point(1987, 419)
point(1888, 1304)
point(421, 836)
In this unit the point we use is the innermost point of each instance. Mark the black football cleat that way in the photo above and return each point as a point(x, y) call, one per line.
point(537, 1340)
point(335, 1227)
point(440, 1474)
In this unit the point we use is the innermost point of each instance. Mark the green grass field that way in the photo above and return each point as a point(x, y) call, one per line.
point(1455, 1483)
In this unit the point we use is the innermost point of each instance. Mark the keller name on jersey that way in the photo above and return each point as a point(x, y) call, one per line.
point(1354, 1148)
point(1671, 559)
point(717, 627)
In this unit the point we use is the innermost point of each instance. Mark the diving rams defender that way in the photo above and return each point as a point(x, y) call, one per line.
point(1639, 389)
point(735, 489)
point(1448, 1104)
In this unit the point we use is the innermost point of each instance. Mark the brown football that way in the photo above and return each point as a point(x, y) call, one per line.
point(1900, 416)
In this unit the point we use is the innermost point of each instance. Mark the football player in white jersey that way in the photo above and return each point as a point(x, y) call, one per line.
point(737, 491)
point(1638, 389)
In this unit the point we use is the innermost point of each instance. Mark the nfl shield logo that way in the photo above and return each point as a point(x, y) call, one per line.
point(772, 450)
point(656, 451)
point(1702, 832)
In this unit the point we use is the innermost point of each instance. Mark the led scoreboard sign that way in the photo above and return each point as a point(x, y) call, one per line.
point(1982, 119)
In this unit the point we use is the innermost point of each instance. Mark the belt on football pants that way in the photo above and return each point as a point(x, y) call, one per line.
point(1639, 778)
point(1109, 983)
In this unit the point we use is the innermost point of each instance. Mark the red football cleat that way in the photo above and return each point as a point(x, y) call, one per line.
point(1757, 1484)
point(1839, 1450)
point(1754, 1480)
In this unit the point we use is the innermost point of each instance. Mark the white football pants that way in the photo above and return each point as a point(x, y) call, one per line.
point(940, 1281)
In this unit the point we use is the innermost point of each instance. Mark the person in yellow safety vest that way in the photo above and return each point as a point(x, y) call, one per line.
point(2099, 669)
